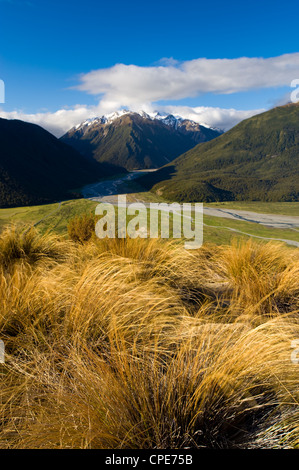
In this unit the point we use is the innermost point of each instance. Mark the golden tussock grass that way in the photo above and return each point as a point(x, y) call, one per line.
point(143, 344)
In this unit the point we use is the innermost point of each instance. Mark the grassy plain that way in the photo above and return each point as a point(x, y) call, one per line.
point(217, 230)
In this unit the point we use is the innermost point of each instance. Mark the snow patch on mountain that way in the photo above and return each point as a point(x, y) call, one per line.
point(171, 120)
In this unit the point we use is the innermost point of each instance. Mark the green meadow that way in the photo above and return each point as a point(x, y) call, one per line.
point(216, 229)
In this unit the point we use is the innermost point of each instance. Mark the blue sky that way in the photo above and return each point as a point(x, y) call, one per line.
point(48, 48)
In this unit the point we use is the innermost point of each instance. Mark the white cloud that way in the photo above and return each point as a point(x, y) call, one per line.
point(64, 119)
point(131, 85)
point(139, 88)
point(212, 117)
point(57, 123)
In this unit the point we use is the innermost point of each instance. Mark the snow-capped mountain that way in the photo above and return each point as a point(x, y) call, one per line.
point(137, 140)
point(167, 119)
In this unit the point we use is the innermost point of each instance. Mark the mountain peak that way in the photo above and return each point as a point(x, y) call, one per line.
point(137, 140)
point(174, 121)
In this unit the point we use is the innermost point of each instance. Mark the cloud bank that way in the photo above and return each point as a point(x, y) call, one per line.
point(61, 121)
point(131, 85)
point(221, 118)
point(138, 88)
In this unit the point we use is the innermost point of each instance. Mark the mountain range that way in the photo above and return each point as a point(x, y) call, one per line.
point(37, 168)
point(137, 141)
point(256, 160)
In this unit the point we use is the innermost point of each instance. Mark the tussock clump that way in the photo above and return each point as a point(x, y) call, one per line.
point(142, 344)
point(166, 261)
point(27, 245)
point(214, 391)
point(81, 228)
point(257, 277)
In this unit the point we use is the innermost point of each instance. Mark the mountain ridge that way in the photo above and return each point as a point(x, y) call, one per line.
point(258, 159)
point(37, 168)
point(168, 119)
point(136, 140)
